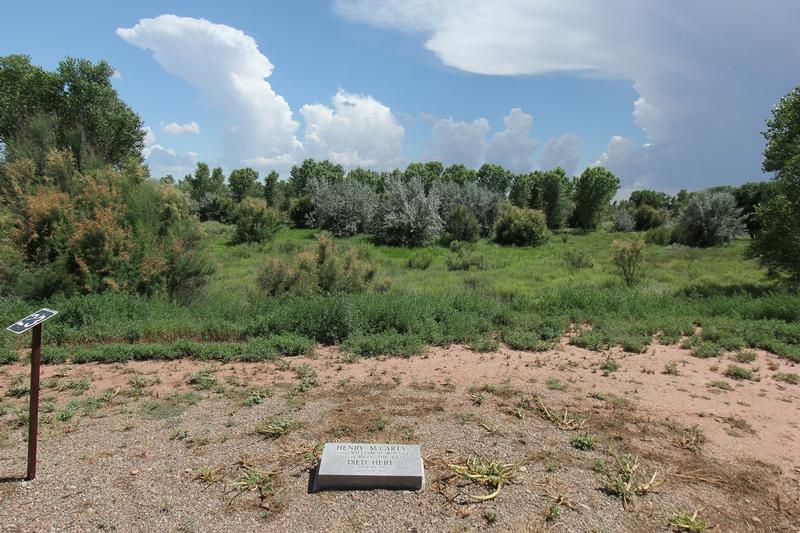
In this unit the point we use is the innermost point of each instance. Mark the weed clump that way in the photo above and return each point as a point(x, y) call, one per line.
point(583, 441)
point(274, 427)
point(494, 474)
point(738, 372)
point(324, 270)
point(624, 482)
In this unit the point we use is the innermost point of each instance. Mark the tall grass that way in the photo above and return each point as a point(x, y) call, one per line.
point(528, 296)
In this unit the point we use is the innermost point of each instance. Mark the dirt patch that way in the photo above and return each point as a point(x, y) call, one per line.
point(193, 446)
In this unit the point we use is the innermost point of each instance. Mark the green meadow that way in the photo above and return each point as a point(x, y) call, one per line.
point(524, 297)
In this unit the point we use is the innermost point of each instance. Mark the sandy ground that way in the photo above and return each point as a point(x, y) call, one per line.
point(131, 463)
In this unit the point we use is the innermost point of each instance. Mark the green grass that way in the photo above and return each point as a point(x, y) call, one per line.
point(526, 298)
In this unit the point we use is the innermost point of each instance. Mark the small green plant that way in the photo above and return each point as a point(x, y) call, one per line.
point(555, 384)
point(746, 357)
point(203, 380)
point(421, 260)
point(253, 480)
point(307, 376)
point(553, 512)
point(18, 387)
point(738, 372)
point(627, 257)
point(578, 259)
point(494, 474)
point(463, 256)
point(609, 365)
point(477, 398)
point(378, 423)
point(69, 411)
point(624, 482)
point(274, 427)
point(490, 515)
point(719, 384)
point(683, 521)
point(583, 441)
point(671, 369)
point(257, 395)
point(789, 377)
point(77, 386)
point(484, 344)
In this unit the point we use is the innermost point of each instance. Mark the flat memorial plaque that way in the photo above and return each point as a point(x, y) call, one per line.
point(346, 465)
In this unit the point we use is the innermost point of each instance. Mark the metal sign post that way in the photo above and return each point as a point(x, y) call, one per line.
point(34, 322)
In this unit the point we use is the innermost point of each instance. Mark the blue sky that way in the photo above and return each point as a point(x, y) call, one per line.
point(666, 94)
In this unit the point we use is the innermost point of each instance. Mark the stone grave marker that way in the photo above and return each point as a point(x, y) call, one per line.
point(347, 465)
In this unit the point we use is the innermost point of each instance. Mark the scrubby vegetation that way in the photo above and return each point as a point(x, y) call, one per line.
point(206, 267)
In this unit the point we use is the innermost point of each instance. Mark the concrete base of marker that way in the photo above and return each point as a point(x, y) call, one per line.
point(352, 466)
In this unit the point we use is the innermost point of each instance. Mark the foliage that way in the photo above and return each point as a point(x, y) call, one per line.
point(78, 107)
point(593, 191)
point(407, 216)
point(98, 231)
point(343, 208)
point(255, 222)
point(749, 196)
point(553, 195)
point(775, 244)
point(521, 227)
point(323, 271)
point(654, 199)
point(623, 220)
point(300, 209)
point(270, 188)
point(577, 259)
point(427, 173)
point(711, 219)
point(421, 260)
point(463, 256)
point(301, 175)
point(648, 217)
point(627, 257)
point(243, 182)
point(494, 178)
point(461, 225)
point(482, 203)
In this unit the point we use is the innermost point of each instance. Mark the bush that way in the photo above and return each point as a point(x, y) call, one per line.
point(623, 220)
point(664, 235)
point(344, 208)
point(462, 256)
point(323, 271)
point(421, 260)
point(255, 222)
point(484, 204)
point(627, 257)
point(300, 209)
point(406, 215)
point(461, 226)
point(577, 258)
point(648, 217)
point(521, 227)
point(711, 219)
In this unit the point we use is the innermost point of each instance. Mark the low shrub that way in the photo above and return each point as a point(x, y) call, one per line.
point(463, 256)
point(578, 259)
point(324, 270)
point(407, 216)
point(388, 343)
point(461, 226)
point(738, 372)
point(710, 219)
point(343, 208)
point(623, 221)
point(255, 222)
point(421, 260)
point(521, 227)
point(627, 257)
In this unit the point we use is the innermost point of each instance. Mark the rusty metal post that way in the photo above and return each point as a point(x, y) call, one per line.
point(33, 418)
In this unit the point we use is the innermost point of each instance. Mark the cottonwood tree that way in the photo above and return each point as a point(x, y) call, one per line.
point(776, 243)
point(243, 182)
point(594, 189)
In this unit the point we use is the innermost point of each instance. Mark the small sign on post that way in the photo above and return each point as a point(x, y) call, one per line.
point(33, 321)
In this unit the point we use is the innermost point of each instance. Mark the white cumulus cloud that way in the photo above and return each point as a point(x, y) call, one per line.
point(512, 147)
point(356, 130)
point(707, 73)
point(229, 71)
point(179, 129)
point(561, 152)
point(458, 142)
point(162, 161)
